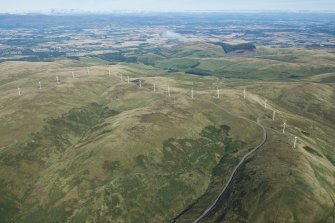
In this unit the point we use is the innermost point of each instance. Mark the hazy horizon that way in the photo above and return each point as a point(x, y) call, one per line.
point(100, 6)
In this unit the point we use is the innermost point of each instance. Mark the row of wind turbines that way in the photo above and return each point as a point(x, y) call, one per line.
point(169, 94)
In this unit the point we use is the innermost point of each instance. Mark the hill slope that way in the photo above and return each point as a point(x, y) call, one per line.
point(98, 149)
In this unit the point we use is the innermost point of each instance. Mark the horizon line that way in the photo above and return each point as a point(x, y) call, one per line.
point(81, 12)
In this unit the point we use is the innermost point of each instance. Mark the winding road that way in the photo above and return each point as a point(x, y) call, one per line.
point(205, 213)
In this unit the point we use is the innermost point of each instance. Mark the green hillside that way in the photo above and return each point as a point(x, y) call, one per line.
point(98, 149)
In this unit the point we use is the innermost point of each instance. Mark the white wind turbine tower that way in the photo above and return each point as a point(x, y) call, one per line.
point(109, 72)
point(154, 87)
point(19, 91)
point(140, 83)
point(192, 94)
point(244, 93)
point(284, 127)
point(295, 142)
point(40, 85)
point(274, 115)
point(218, 92)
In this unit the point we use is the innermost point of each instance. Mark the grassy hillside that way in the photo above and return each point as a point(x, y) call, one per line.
point(264, 63)
point(97, 149)
point(95, 143)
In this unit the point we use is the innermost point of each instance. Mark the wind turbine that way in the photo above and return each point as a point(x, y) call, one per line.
point(244, 93)
point(40, 85)
point(295, 142)
point(154, 87)
point(284, 127)
point(274, 115)
point(140, 83)
point(218, 92)
point(192, 94)
point(19, 91)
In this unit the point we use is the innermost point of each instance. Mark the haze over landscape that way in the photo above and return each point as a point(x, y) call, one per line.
point(213, 111)
point(162, 5)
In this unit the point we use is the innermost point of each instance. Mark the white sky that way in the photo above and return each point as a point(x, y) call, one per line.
point(165, 5)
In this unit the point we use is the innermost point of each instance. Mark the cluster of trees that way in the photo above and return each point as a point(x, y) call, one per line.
point(239, 47)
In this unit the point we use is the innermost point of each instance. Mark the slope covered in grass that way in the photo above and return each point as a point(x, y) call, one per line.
point(97, 149)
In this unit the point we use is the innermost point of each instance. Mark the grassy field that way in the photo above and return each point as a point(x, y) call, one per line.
point(265, 63)
point(97, 149)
